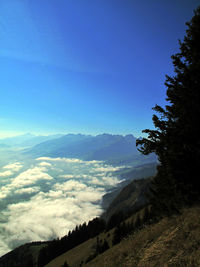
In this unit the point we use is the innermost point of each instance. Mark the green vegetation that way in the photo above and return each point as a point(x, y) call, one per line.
point(65, 264)
point(147, 237)
point(84, 253)
point(79, 235)
point(127, 175)
point(23, 256)
point(176, 139)
point(173, 241)
point(131, 198)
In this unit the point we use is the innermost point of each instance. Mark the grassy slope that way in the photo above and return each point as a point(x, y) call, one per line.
point(128, 175)
point(130, 198)
point(80, 253)
point(20, 256)
point(173, 241)
point(74, 256)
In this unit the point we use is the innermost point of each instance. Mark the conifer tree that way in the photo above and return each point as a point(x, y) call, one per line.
point(65, 264)
point(176, 138)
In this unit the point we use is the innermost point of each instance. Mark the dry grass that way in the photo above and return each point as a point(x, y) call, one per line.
point(79, 254)
point(74, 256)
point(173, 241)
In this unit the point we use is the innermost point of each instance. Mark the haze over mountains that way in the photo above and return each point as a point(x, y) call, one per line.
point(26, 140)
point(116, 149)
point(67, 173)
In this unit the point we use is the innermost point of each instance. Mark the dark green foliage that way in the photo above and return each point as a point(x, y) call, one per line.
point(30, 262)
point(22, 256)
point(114, 220)
point(176, 139)
point(65, 264)
point(42, 257)
point(130, 199)
point(147, 215)
point(121, 231)
point(74, 238)
point(99, 248)
point(117, 237)
point(111, 201)
point(90, 257)
point(138, 222)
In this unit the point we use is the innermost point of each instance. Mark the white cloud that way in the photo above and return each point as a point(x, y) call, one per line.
point(45, 215)
point(106, 168)
point(51, 214)
point(10, 169)
point(105, 181)
point(14, 166)
point(31, 176)
point(24, 179)
point(69, 160)
point(6, 173)
point(96, 181)
point(69, 176)
point(112, 181)
point(70, 185)
point(91, 195)
point(74, 176)
point(27, 190)
point(5, 190)
point(46, 164)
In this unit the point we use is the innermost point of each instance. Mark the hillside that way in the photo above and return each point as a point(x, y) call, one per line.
point(130, 198)
point(173, 241)
point(25, 255)
point(128, 175)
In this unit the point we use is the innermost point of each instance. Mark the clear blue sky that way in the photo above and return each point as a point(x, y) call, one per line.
point(86, 66)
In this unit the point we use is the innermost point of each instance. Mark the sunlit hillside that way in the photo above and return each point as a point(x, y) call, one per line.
point(173, 241)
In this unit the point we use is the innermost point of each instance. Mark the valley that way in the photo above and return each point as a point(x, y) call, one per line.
point(36, 190)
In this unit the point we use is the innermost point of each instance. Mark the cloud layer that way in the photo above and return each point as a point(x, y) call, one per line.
point(10, 169)
point(49, 197)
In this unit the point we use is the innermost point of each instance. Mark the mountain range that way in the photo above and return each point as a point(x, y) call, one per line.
point(115, 149)
point(26, 140)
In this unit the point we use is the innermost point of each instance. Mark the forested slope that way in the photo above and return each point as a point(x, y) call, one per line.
point(173, 241)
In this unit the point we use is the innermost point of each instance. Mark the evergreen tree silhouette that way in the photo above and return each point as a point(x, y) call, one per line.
point(65, 264)
point(176, 139)
point(138, 222)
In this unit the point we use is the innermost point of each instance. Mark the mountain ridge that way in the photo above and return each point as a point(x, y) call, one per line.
point(116, 149)
point(27, 140)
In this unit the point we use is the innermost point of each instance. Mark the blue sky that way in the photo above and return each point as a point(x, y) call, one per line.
point(86, 66)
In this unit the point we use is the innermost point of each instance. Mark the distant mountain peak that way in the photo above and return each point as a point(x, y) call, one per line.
point(117, 149)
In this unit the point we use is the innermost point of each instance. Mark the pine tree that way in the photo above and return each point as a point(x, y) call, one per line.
point(138, 222)
point(146, 215)
point(176, 138)
point(65, 264)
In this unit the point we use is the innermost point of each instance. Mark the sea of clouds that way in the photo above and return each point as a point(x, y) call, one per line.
point(44, 198)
